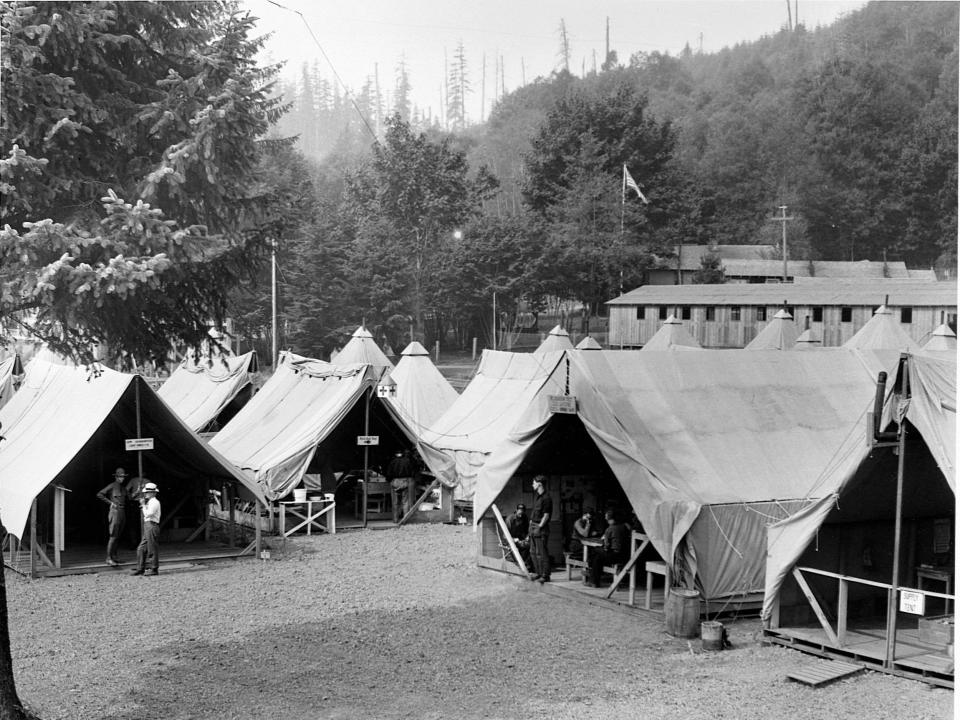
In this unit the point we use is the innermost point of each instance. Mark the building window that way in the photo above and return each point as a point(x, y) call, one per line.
point(818, 314)
point(735, 314)
point(711, 313)
point(641, 312)
point(906, 315)
point(685, 312)
point(761, 314)
point(846, 314)
point(663, 312)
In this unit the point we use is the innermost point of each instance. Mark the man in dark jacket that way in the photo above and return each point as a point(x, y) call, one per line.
point(518, 523)
point(615, 550)
point(540, 530)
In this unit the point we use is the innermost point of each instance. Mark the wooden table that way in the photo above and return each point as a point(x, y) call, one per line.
point(304, 511)
point(378, 493)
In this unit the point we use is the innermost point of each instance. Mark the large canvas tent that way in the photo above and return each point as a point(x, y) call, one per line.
point(65, 431)
point(306, 418)
point(362, 349)
point(456, 446)
point(708, 447)
point(942, 342)
point(207, 393)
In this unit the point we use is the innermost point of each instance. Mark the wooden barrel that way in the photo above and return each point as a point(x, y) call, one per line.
point(682, 610)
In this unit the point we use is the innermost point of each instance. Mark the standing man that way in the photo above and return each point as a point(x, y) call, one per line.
point(115, 495)
point(540, 530)
point(150, 544)
point(401, 474)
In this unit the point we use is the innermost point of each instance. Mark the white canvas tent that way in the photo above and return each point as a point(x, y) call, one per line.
point(363, 350)
point(66, 428)
point(418, 394)
point(588, 343)
point(309, 408)
point(779, 334)
point(557, 339)
point(199, 391)
point(882, 332)
point(672, 335)
point(456, 446)
point(809, 339)
point(707, 446)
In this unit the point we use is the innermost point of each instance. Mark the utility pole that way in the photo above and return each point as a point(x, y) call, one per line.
point(701, 45)
point(789, 19)
point(523, 72)
point(606, 54)
point(483, 87)
point(783, 219)
point(273, 300)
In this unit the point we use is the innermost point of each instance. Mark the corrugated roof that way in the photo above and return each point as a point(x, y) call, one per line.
point(902, 293)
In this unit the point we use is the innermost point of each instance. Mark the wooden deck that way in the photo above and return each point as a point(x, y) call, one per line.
point(84, 559)
point(914, 658)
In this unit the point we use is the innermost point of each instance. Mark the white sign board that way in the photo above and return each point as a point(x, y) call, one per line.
point(562, 404)
point(368, 439)
point(139, 443)
point(912, 602)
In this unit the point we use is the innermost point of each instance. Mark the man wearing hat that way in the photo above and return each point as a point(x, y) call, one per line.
point(114, 495)
point(150, 543)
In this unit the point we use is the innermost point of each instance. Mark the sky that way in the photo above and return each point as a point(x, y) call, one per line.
point(355, 41)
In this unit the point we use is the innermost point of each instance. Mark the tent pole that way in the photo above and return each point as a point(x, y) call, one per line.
point(366, 455)
point(897, 523)
point(33, 539)
point(136, 390)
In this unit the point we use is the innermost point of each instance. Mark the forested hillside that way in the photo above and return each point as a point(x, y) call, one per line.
point(853, 127)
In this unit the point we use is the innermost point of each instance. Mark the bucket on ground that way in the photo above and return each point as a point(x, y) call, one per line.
point(682, 610)
point(711, 635)
point(299, 494)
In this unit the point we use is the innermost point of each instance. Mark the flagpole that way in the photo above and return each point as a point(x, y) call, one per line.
point(623, 200)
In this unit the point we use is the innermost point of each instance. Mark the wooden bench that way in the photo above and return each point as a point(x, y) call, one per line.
point(574, 562)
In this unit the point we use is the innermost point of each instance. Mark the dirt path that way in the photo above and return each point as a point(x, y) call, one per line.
point(392, 624)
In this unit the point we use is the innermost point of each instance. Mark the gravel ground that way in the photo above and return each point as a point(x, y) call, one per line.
point(396, 623)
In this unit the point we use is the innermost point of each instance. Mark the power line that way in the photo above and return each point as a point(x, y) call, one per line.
point(316, 42)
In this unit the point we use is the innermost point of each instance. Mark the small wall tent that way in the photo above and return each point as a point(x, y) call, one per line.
point(557, 339)
point(418, 394)
point(882, 332)
point(209, 392)
point(309, 412)
point(66, 428)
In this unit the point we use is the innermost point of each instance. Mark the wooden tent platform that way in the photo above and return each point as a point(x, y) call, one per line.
point(914, 658)
point(85, 559)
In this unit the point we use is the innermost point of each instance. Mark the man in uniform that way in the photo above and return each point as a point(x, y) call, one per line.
point(114, 495)
point(540, 530)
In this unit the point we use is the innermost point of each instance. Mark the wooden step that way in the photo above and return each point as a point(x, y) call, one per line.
point(821, 673)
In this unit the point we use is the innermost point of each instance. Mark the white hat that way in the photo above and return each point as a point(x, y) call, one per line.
point(149, 487)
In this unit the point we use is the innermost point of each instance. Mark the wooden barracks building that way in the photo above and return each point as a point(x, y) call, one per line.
point(730, 315)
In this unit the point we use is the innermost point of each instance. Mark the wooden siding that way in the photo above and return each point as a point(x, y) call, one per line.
point(723, 332)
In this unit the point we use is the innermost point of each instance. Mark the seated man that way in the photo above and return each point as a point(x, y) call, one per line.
point(584, 527)
point(518, 523)
point(615, 550)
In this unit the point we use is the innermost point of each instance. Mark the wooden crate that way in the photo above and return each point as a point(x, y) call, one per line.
point(936, 630)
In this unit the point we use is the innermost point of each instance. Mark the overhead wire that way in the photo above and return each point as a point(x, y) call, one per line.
point(333, 69)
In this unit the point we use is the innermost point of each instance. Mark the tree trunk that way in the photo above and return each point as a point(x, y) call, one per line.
point(10, 706)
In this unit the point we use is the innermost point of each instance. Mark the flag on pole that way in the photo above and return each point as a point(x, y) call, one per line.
point(629, 182)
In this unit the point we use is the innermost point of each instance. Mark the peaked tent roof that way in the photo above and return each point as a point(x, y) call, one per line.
point(198, 391)
point(456, 446)
point(672, 335)
point(932, 410)
point(363, 350)
point(942, 341)
point(59, 410)
point(682, 431)
point(557, 339)
point(423, 394)
point(274, 436)
point(809, 339)
point(778, 334)
point(882, 332)
point(588, 343)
